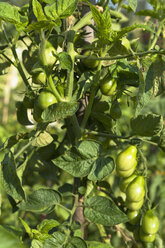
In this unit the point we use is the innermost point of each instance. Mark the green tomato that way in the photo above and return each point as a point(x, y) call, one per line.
point(46, 99)
point(134, 205)
point(136, 189)
point(133, 216)
point(88, 62)
point(108, 86)
point(115, 111)
point(125, 173)
point(124, 182)
point(50, 53)
point(39, 78)
point(150, 223)
point(147, 238)
point(127, 159)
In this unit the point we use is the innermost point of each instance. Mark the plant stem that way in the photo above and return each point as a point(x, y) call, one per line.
point(157, 35)
point(140, 54)
point(70, 74)
point(22, 150)
point(103, 234)
point(53, 88)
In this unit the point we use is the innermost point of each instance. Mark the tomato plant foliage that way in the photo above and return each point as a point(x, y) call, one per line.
point(92, 110)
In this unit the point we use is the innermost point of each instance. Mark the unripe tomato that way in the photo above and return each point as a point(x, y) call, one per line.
point(46, 99)
point(150, 223)
point(147, 238)
point(115, 111)
point(124, 182)
point(127, 159)
point(50, 53)
point(134, 205)
point(39, 78)
point(133, 216)
point(88, 62)
point(136, 189)
point(125, 173)
point(108, 86)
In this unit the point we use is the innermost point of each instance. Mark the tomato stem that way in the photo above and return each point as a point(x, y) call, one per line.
point(85, 20)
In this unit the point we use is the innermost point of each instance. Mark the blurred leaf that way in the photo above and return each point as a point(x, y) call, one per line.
point(9, 178)
point(9, 240)
point(56, 241)
point(76, 242)
point(85, 159)
point(36, 244)
point(41, 200)
point(46, 225)
point(60, 110)
point(95, 244)
point(147, 125)
point(148, 12)
point(9, 13)
point(132, 4)
point(103, 211)
point(42, 139)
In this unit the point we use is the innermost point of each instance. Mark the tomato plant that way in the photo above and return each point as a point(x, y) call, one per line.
point(83, 163)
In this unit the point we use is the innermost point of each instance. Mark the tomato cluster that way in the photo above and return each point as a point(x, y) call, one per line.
point(133, 185)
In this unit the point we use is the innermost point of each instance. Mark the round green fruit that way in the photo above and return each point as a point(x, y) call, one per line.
point(124, 182)
point(133, 216)
point(45, 99)
point(136, 189)
point(108, 86)
point(150, 223)
point(39, 78)
point(127, 159)
point(49, 56)
point(134, 205)
point(91, 61)
point(147, 238)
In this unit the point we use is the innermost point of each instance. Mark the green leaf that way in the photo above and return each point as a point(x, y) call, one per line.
point(102, 210)
point(85, 159)
point(38, 11)
point(119, 34)
point(102, 168)
point(76, 242)
point(41, 200)
point(9, 13)
point(60, 110)
point(65, 61)
point(42, 139)
point(95, 244)
point(22, 115)
point(36, 244)
point(103, 22)
point(132, 4)
point(27, 228)
point(56, 241)
point(13, 140)
point(9, 178)
point(46, 225)
point(147, 125)
point(51, 13)
point(62, 9)
point(9, 240)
